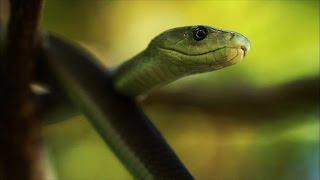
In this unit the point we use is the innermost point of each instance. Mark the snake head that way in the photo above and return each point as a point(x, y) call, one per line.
point(201, 48)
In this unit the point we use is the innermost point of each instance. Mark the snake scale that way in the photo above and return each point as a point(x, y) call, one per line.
point(173, 54)
point(177, 53)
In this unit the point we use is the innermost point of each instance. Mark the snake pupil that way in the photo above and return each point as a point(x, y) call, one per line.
point(200, 33)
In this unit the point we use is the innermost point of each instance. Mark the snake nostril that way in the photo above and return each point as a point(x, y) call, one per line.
point(244, 49)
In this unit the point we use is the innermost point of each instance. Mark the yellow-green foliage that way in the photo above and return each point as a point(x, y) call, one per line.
point(285, 46)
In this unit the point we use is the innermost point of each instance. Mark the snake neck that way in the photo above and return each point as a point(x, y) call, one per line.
point(144, 72)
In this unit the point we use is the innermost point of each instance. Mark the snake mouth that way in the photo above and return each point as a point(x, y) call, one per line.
point(242, 50)
point(186, 54)
point(211, 59)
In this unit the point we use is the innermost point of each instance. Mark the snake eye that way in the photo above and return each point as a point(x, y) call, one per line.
point(200, 33)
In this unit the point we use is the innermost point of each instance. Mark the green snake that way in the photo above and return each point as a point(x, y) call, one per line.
point(171, 55)
point(177, 53)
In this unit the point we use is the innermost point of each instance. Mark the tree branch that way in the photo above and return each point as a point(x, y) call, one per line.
point(245, 103)
point(297, 96)
point(19, 128)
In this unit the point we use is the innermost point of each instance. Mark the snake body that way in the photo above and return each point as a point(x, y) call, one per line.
point(171, 55)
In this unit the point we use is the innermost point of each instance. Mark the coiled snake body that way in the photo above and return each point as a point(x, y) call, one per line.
point(171, 55)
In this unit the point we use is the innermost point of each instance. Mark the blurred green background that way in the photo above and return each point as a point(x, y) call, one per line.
point(285, 47)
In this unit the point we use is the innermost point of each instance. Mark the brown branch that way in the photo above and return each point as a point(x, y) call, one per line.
point(296, 96)
point(19, 127)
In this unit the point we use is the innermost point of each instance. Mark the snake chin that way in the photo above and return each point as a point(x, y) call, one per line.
point(227, 57)
point(237, 57)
